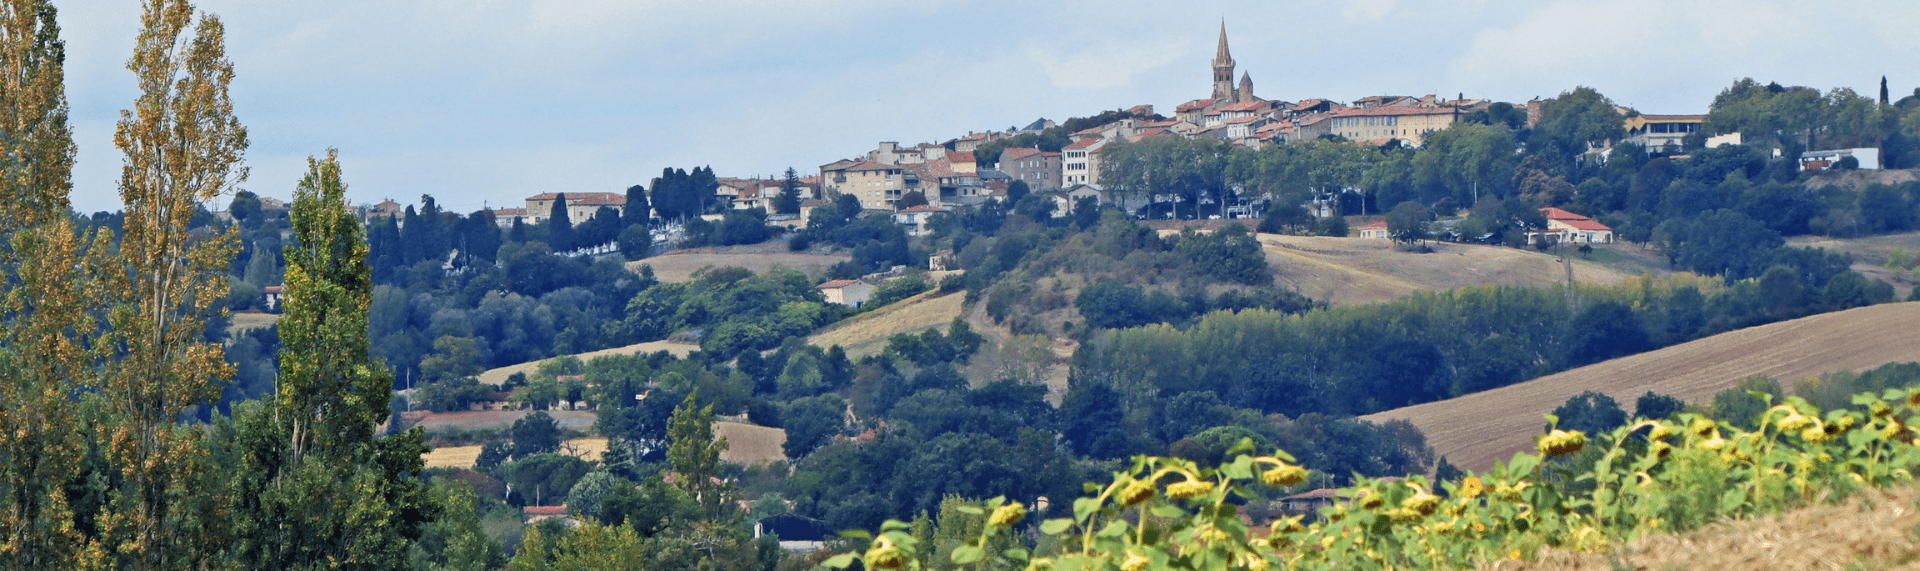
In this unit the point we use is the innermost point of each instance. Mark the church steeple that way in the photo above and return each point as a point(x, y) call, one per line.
point(1223, 68)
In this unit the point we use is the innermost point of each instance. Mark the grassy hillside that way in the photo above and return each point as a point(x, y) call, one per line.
point(499, 375)
point(680, 265)
point(1870, 256)
point(867, 334)
point(1356, 270)
point(1475, 430)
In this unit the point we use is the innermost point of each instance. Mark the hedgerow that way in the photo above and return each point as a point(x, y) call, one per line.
point(1650, 477)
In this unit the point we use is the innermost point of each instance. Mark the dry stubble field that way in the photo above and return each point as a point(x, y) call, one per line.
point(1476, 430)
point(867, 334)
point(680, 265)
point(1357, 270)
point(497, 376)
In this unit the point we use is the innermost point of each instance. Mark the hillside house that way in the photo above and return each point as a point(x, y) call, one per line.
point(850, 293)
point(274, 296)
point(1567, 227)
point(1080, 161)
point(504, 217)
point(1066, 200)
point(1869, 159)
point(916, 218)
point(1041, 170)
point(1375, 229)
point(1662, 133)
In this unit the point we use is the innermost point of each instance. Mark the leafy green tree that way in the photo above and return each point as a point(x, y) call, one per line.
point(542, 479)
point(1407, 223)
point(694, 453)
point(456, 541)
point(812, 422)
point(1657, 406)
point(1603, 331)
point(245, 208)
point(535, 433)
point(1591, 412)
point(1741, 407)
point(316, 488)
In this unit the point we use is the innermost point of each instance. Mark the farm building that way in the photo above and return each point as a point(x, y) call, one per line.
point(1374, 230)
point(850, 293)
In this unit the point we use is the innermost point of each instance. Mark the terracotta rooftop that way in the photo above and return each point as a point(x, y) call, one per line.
point(837, 284)
point(1558, 214)
point(1018, 153)
point(1083, 144)
point(961, 157)
point(1192, 105)
point(1584, 224)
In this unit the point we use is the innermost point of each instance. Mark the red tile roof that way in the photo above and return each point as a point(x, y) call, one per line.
point(1558, 214)
point(1192, 105)
point(546, 510)
point(1376, 224)
point(961, 157)
point(584, 197)
point(1308, 103)
point(1247, 106)
point(864, 166)
point(1392, 110)
point(1083, 144)
point(1584, 224)
point(836, 284)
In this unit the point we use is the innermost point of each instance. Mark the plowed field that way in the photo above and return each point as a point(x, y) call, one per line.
point(1359, 270)
point(1476, 430)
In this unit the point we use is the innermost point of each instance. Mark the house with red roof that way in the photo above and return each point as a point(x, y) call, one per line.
point(1567, 227)
point(1080, 162)
point(916, 218)
point(1376, 229)
point(1040, 169)
point(580, 205)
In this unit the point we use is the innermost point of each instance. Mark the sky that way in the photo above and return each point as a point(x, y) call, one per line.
point(485, 102)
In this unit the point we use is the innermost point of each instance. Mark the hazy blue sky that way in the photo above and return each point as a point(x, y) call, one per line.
point(495, 100)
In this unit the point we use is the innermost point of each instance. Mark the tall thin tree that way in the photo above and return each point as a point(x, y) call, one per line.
point(316, 488)
point(45, 296)
point(182, 148)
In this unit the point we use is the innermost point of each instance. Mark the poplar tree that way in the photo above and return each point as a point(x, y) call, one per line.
point(695, 454)
point(182, 148)
point(316, 488)
point(45, 295)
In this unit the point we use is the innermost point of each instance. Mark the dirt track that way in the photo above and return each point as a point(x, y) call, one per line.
point(1475, 430)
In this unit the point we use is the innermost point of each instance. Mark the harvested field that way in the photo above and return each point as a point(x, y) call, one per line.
point(867, 334)
point(1476, 430)
point(478, 419)
point(497, 376)
point(680, 265)
point(251, 320)
point(749, 444)
point(1872, 531)
point(1359, 270)
point(466, 456)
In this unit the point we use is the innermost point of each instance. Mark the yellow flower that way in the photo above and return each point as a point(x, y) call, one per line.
point(1370, 500)
point(1422, 502)
point(1040, 564)
point(1286, 525)
point(1007, 515)
point(1913, 399)
point(1660, 431)
point(1715, 443)
point(1135, 562)
point(1815, 435)
point(1472, 487)
point(1136, 492)
point(1284, 475)
point(1189, 489)
point(884, 555)
point(1562, 442)
point(1794, 421)
point(1701, 427)
point(1660, 450)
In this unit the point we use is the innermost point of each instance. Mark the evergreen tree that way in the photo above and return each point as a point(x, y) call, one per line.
point(788, 202)
point(44, 300)
point(703, 189)
point(559, 226)
point(315, 488)
point(412, 247)
point(182, 147)
point(479, 238)
point(637, 210)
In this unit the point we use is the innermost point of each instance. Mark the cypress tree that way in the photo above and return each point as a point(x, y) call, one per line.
point(637, 210)
point(559, 226)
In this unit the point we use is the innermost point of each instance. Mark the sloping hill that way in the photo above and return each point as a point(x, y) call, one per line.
point(680, 265)
point(1476, 430)
point(497, 376)
point(1358, 270)
point(867, 334)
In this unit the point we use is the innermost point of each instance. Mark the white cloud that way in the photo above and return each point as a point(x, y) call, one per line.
point(1105, 63)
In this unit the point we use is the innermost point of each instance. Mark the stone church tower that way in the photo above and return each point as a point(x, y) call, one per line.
point(1223, 70)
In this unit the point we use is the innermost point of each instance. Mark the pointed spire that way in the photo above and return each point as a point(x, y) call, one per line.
point(1222, 54)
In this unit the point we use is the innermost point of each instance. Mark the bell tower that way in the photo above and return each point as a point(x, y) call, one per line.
point(1223, 69)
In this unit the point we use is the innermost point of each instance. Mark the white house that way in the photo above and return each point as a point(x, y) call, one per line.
point(1822, 160)
point(916, 218)
point(1567, 227)
point(1374, 230)
point(850, 293)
